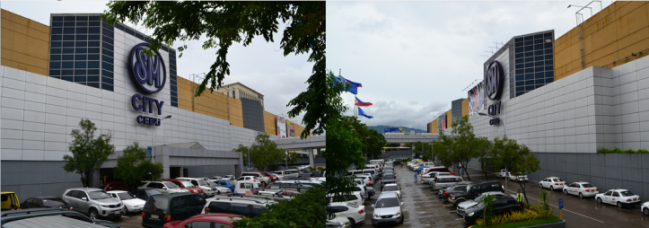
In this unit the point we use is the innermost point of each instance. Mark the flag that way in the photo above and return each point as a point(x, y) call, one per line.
point(360, 103)
point(354, 85)
point(360, 112)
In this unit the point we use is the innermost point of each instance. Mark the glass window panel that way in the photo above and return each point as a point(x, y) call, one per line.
point(529, 87)
point(82, 50)
point(108, 46)
point(107, 87)
point(140, 36)
point(55, 51)
point(538, 46)
point(57, 37)
point(93, 64)
point(130, 31)
point(521, 71)
point(538, 36)
point(520, 83)
point(57, 24)
point(55, 73)
point(518, 66)
point(107, 59)
point(548, 57)
point(82, 43)
point(548, 51)
point(549, 68)
point(119, 26)
point(93, 23)
point(107, 33)
point(68, 31)
point(520, 77)
point(538, 85)
point(108, 40)
point(548, 80)
point(529, 70)
point(529, 54)
point(107, 74)
point(538, 69)
point(82, 30)
point(55, 57)
point(94, 84)
point(528, 48)
point(547, 45)
point(67, 57)
point(529, 42)
point(67, 78)
point(57, 30)
point(528, 38)
point(538, 52)
point(529, 64)
point(93, 37)
point(57, 18)
point(67, 72)
point(55, 65)
point(539, 75)
point(82, 23)
point(80, 72)
point(93, 72)
point(93, 44)
point(69, 18)
point(106, 66)
point(93, 78)
point(529, 76)
point(80, 64)
point(174, 104)
point(82, 18)
point(518, 93)
point(82, 37)
point(93, 57)
point(107, 80)
point(68, 50)
point(92, 30)
point(93, 18)
point(548, 62)
point(68, 24)
point(93, 50)
point(549, 74)
point(67, 65)
point(68, 37)
point(68, 44)
point(80, 79)
point(529, 59)
point(108, 52)
point(174, 93)
point(537, 58)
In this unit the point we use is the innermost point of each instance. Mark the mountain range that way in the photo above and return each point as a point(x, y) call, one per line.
point(380, 128)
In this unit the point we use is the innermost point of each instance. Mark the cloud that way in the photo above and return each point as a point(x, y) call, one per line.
point(399, 114)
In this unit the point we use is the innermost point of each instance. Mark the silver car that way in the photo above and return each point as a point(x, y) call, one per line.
point(462, 207)
point(93, 202)
point(444, 181)
point(162, 186)
point(387, 209)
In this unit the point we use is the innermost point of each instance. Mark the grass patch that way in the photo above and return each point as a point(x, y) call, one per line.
point(526, 223)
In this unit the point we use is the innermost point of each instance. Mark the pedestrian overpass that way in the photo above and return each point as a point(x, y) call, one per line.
point(317, 142)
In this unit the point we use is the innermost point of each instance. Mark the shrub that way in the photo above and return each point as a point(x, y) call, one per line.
point(620, 151)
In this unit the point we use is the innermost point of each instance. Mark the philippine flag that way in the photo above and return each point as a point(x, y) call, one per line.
point(361, 103)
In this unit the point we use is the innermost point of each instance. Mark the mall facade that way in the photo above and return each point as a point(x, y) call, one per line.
point(77, 68)
point(591, 92)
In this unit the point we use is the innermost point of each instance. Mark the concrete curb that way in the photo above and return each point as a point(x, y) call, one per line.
point(561, 224)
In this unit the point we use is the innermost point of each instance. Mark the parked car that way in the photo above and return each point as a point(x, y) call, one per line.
point(9, 201)
point(473, 190)
point(444, 193)
point(205, 220)
point(295, 187)
point(94, 202)
point(582, 189)
point(226, 184)
point(239, 206)
point(367, 181)
point(369, 188)
point(388, 179)
point(164, 208)
point(461, 207)
point(334, 221)
point(45, 202)
point(162, 186)
point(439, 169)
point(552, 183)
point(392, 188)
point(620, 197)
point(187, 185)
point(645, 208)
point(518, 178)
point(355, 213)
point(116, 185)
point(259, 175)
point(144, 194)
point(501, 204)
point(131, 203)
point(53, 217)
point(201, 183)
point(270, 176)
point(219, 189)
point(444, 181)
point(246, 186)
point(388, 209)
point(353, 197)
point(287, 172)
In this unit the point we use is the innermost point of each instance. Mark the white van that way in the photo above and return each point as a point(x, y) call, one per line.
point(244, 186)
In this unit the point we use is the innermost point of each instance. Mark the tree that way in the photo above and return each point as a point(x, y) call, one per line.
point(88, 152)
point(443, 150)
point(424, 149)
point(264, 153)
point(373, 141)
point(466, 146)
point(226, 22)
point(133, 166)
point(515, 157)
point(484, 158)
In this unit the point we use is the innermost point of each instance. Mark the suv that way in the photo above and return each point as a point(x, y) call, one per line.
point(201, 183)
point(94, 202)
point(53, 217)
point(144, 194)
point(240, 206)
point(260, 176)
point(473, 190)
point(444, 193)
point(387, 209)
point(444, 181)
point(162, 186)
point(160, 209)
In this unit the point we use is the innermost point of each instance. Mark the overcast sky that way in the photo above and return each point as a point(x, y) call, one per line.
point(260, 66)
point(414, 58)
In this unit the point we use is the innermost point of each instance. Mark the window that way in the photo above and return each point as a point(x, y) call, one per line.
point(198, 225)
point(616, 194)
point(240, 209)
point(218, 207)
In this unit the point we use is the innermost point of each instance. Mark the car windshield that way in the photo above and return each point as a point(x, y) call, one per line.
point(202, 183)
point(388, 176)
point(557, 180)
point(587, 185)
point(125, 195)
point(52, 202)
point(156, 204)
point(387, 202)
point(188, 184)
point(626, 193)
point(391, 188)
point(98, 195)
point(171, 185)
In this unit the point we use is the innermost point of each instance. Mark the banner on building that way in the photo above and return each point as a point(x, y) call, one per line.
point(290, 128)
point(281, 127)
point(476, 99)
point(393, 130)
point(442, 121)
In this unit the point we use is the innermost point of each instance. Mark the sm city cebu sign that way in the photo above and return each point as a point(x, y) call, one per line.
point(494, 83)
point(149, 75)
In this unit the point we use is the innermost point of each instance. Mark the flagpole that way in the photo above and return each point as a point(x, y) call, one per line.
point(355, 108)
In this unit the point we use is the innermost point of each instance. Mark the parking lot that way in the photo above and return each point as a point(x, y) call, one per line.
point(134, 220)
point(422, 208)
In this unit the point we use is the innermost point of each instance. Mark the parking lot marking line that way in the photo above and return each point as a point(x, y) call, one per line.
point(459, 219)
point(564, 209)
point(452, 211)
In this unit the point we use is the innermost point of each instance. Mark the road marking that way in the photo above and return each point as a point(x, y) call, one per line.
point(452, 211)
point(563, 209)
point(459, 219)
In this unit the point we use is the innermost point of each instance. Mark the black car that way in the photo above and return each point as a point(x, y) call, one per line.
point(9, 216)
point(501, 204)
point(473, 190)
point(144, 194)
point(44, 202)
point(446, 192)
point(388, 179)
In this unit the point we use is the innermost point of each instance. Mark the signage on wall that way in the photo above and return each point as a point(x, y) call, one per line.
point(149, 75)
point(476, 99)
point(281, 127)
point(494, 83)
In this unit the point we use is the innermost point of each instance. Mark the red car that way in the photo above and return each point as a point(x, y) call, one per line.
point(269, 175)
point(111, 186)
point(185, 184)
point(218, 219)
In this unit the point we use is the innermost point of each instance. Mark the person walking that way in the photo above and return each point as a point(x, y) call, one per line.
point(401, 164)
point(519, 198)
point(419, 171)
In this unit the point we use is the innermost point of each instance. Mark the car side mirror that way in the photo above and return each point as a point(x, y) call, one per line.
point(165, 188)
point(84, 198)
point(402, 203)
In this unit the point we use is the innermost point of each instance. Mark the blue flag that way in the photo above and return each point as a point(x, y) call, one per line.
point(360, 112)
point(353, 85)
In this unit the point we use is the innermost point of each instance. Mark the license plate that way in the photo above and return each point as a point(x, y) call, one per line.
point(560, 184)
point(385, 220)
point(154, 216)
point(635, 199)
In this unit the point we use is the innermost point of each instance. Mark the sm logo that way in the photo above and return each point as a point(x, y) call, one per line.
point(148, 73)
point(494, 79)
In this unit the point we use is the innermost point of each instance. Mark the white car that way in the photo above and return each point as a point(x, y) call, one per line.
point(552, 183)
point(334, 221)
point(645, 208)
point(367, 181)
point(581, 189)
point(131, 203)
point(355, 213)
point(619, 197)
point(392, 188)
point(354, 197)
point(518, 178)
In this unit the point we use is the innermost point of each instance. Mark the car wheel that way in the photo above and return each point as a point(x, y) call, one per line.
point(124, 211)
point(581, 196)
point(401, 219)
point(565, 192)
point(93, 214)
point(619, 205)
point(646, 211)
point(540, 185)
point(551, 188)
point(352, 222)
point(599, 200)
point(457, 202)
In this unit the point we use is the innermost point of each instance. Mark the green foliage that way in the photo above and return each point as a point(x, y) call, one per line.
point(226, 22)
point(524, 224)
point(134, 167)
point(620, 151)
point(462, 147)
point(305, 210)
point(545, 199)
point(487, 212)
point(373, 141)
point(517, 158)
point(264, 153)
point(88, 152)
point(424, 149)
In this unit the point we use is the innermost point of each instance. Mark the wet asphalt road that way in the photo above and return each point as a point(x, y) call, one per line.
point(422, 208)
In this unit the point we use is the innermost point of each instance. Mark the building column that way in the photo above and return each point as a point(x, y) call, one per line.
point(311, 163)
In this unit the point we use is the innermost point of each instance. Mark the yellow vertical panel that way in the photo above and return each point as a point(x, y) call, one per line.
point(270, 123)
point(633, 21)
point(236, 113)
point(465, 107)
point(7, 38)
point(434, 127)
point(449, 118)
point(633, 38)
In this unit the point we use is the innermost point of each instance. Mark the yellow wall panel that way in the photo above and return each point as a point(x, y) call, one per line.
point(25, 43)
point(434, 127)
point(449, 118)
point(270, 123)
point(236, 113)
point(465, 107)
